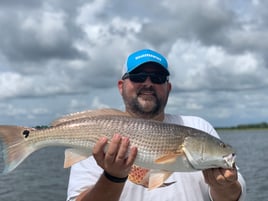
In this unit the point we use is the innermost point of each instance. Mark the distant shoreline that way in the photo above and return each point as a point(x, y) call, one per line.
point(261, 126)
point(237, 129)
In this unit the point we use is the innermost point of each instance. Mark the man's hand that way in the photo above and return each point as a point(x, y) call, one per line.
point(223, 183)
point(118, 158)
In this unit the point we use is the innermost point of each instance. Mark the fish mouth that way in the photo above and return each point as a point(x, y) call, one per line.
point(230, 160)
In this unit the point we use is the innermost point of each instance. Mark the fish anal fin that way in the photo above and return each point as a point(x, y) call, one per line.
point(157, 178)
point(73, 156)
point(170, 157)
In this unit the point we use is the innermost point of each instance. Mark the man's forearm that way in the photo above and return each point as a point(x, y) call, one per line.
point(104, 189)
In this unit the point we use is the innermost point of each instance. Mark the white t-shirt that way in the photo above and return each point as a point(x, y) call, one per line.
point(188, 186)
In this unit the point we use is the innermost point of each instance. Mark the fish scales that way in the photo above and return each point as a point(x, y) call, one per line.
point(142, 133)
point(160, 145)
point(152, 138)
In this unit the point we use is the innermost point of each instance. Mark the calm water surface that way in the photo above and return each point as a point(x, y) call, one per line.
point(41, 176)
point(252, 159)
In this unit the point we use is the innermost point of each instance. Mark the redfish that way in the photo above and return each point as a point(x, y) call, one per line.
point(163, 148)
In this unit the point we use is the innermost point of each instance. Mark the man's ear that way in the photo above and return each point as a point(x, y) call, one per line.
point(120, 86)
point(169, 86)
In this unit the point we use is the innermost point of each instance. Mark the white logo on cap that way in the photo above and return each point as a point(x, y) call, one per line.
point(147, 55)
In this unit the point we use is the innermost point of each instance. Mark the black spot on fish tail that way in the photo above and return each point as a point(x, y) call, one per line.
point(26, 133)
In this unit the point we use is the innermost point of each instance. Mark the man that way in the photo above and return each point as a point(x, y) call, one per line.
point(103, 177)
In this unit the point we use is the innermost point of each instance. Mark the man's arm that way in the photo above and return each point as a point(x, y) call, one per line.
point(224, 185)
point(116, 163)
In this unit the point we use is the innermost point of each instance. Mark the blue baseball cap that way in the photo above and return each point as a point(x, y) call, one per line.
point(140, 57)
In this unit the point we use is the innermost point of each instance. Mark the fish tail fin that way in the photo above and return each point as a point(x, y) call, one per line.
point(15, 146)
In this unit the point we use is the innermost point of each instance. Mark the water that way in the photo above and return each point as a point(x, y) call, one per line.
point(252, 159)
point(41, 176)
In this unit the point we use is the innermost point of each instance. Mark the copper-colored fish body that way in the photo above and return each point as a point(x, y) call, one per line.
point(161, 146)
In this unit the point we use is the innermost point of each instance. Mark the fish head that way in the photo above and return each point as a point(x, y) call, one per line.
point(204, 152)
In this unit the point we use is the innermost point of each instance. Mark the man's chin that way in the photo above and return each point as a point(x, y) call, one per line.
point(147, 105)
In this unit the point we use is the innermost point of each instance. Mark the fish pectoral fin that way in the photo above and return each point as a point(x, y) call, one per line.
point(73, 156)
point(169, 158)
point(157, 178)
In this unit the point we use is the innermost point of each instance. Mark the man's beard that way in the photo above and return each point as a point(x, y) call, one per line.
point(140, 109)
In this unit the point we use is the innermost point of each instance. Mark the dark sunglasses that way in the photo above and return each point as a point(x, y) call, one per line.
point(156, 78)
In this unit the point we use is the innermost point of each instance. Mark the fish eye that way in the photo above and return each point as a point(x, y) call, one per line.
point(223, 145)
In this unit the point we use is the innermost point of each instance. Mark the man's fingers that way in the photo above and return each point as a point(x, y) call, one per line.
point(219, 176)
point(229, 174)
point(98, 150)
point(117, 157)
point(123, 151)
point(113, 148)
point(132, 155)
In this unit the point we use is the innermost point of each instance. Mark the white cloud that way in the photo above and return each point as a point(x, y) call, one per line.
point(198, 67)
point(47, 27)
point(13, 84)
point(60, 57)
point(96, 103)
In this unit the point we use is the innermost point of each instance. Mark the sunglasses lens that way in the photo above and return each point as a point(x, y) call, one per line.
point(158, 79)
point(137, 78)
point(141, 77)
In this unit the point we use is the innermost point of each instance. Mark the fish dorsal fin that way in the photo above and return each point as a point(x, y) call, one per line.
point(70, 117)
point(73, 156)
point(86, 114)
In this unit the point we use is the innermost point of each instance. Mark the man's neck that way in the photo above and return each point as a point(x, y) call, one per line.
point(158, 117)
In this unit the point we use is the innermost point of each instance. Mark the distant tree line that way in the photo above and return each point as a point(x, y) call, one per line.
point(41, 127)
point(262, 125)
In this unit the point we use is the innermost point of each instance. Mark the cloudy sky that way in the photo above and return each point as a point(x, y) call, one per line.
point(59, 56)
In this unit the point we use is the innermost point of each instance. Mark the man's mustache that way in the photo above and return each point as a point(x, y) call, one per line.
point(146, 90)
